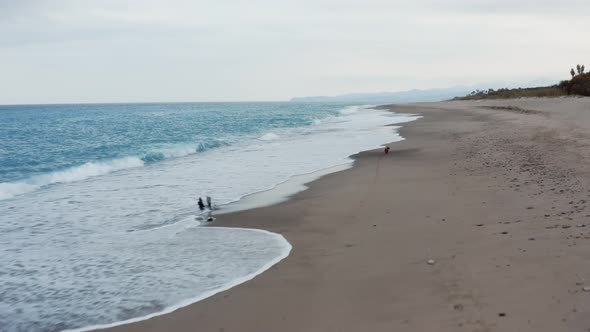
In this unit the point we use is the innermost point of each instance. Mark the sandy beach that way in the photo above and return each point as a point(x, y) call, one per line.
point(493, 192)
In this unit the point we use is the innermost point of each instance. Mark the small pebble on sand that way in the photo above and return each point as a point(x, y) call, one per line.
point(431, 262)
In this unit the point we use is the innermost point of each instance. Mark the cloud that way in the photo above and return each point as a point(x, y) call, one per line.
point(148, 50)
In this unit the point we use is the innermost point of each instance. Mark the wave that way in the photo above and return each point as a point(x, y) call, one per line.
point(354, 109)
point(158, 155)
point(269, 137)
point(98, 168)
point(82, 172)
point(211, 145)
point(87, 170)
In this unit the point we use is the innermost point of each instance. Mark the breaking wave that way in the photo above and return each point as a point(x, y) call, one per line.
point(97, 168)
point(78, 173)
point(353, 109)
point(269, 137)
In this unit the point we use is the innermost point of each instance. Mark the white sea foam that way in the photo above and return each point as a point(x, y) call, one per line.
point(178, 151)
point(284, 252)
point(354, 109)
point(269, 137)
point(9, 190)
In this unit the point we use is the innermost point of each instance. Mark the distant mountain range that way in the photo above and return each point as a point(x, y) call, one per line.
point(412, 96)
point(391, 97)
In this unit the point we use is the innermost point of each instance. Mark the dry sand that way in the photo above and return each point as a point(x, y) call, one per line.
point(496, 196)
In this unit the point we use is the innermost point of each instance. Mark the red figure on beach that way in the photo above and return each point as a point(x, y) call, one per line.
point(386, 150)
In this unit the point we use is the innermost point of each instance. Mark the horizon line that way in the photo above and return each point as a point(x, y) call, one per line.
point(138, 102)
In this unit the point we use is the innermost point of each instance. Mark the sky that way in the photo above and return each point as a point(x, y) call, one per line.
point(61, 51)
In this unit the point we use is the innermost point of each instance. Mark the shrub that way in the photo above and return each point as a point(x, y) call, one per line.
point(563, 84)
point(579, 85)
point(549, 91)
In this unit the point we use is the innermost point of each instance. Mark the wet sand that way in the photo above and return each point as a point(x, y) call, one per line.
point(493, 192)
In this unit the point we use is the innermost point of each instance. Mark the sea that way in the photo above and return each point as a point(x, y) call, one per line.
point(98, 218)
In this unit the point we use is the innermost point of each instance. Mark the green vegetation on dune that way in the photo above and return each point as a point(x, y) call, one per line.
point(579, 85)
point(549, 91)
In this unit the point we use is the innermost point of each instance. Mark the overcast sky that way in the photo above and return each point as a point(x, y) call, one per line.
point(226, 50)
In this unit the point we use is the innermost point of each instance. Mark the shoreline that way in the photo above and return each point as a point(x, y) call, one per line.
point(280, 193)
point(278, 198)
point(362, 236)
point(295, 184)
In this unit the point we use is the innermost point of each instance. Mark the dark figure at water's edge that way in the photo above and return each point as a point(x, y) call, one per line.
point(201, 204)
point(209, 203)
point(386, 150)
